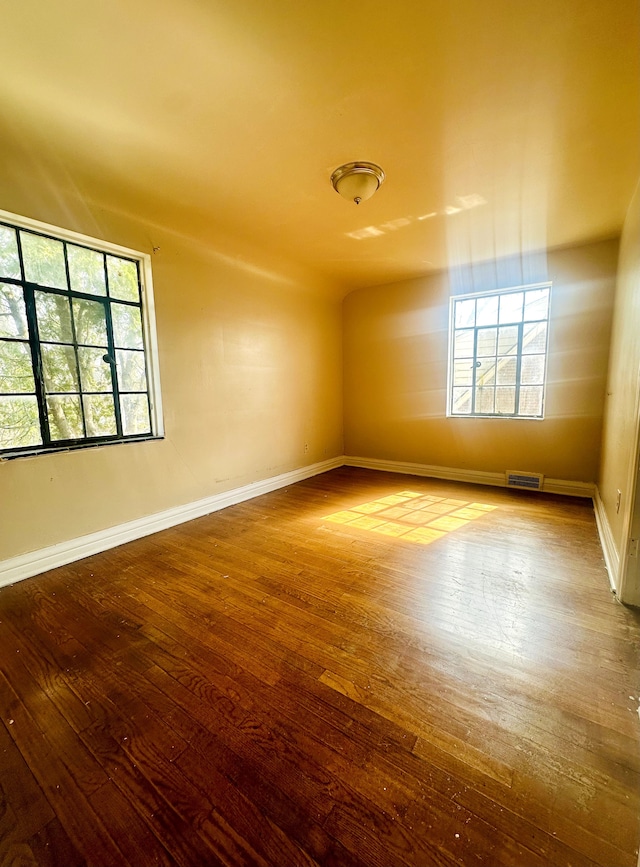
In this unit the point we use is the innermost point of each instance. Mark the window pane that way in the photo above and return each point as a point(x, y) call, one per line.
point(65, 417)
point(486, 372)
point(461, 400)
point(99, 415)
point(511, 307)
point(530, 400)
point(123, 279)
point(506, 373)
point(463, 344)
point(506, 400)
point(59, 368)
point(86, 270)
point(95, 372)
point(90, 323)
point(465, 313)
point(127, 327)
point(16, 370)
point(13, 314)
point(536, 304)
point(486, 341)
point(534, 338)
point(9, 260)
point(500, 352)
point(487, 310)
point(19, 422)
point(132, 376)
point(485, 400)
point(508, 340)
point(65, 306)
point(532, 370)
point(54, 317)
point(135, 414)
point(43, 260)
point(463, 372)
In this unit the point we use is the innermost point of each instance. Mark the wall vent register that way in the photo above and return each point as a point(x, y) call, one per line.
point(530, 481)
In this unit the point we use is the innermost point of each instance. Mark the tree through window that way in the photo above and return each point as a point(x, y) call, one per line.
point(498, 353)
point(75, 364)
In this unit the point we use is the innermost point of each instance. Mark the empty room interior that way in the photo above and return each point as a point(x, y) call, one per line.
point(320, 433)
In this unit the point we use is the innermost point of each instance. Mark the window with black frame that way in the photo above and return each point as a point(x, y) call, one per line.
point(74, 364)
point(498, 353)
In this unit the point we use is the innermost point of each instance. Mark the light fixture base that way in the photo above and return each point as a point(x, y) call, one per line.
point(357, 181)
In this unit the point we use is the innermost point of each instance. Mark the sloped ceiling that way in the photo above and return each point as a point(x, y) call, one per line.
point(502, 126)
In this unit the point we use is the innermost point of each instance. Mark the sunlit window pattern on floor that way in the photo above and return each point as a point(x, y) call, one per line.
point(414, 517)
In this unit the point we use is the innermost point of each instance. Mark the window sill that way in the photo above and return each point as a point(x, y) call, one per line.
point(38, 452)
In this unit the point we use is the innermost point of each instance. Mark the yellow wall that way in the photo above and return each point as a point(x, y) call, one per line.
point(251, 361)
point(619, 435)
point(395, 352)
point(251, 370)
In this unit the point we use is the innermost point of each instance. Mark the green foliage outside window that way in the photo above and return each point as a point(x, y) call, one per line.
point(73, 367)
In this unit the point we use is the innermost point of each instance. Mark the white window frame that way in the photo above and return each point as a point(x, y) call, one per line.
point(450, 363)
point(148, 328)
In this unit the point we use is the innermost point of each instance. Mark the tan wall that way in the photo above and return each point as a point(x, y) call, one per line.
point(251, 370)
point(619, 434)
point(395, 350)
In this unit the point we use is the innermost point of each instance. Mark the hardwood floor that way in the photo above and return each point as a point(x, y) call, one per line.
point(275, 684)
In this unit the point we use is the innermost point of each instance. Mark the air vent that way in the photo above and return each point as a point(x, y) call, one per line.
point(529, 481)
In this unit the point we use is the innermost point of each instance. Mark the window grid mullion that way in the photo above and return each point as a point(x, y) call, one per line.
point(495, 377)
point(34, 346)
point(74, 337)
point(112, 364)
point(112, 349)
point(36, 362)
point(475, 368)
point(519, 366)
point(144, 344)
point(452, 355)
point(106, 275)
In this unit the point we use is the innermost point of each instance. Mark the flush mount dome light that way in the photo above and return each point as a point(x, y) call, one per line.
point(357, 182)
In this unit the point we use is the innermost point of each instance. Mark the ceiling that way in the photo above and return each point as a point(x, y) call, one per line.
point(503, 126)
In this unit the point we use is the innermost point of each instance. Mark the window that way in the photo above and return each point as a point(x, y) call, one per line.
point(498, 353)
point(77, 341)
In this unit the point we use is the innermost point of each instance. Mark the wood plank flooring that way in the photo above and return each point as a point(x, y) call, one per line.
point(281, 684)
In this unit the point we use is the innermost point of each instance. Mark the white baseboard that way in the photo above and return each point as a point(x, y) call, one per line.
point(35, 562)
point(569, 489)
point(611, 556)
point(476, 477)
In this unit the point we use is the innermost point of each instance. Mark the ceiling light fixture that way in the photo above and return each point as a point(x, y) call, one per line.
point(357, 182)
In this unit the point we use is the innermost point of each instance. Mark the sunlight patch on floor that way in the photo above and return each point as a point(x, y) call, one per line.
point(414, 517)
